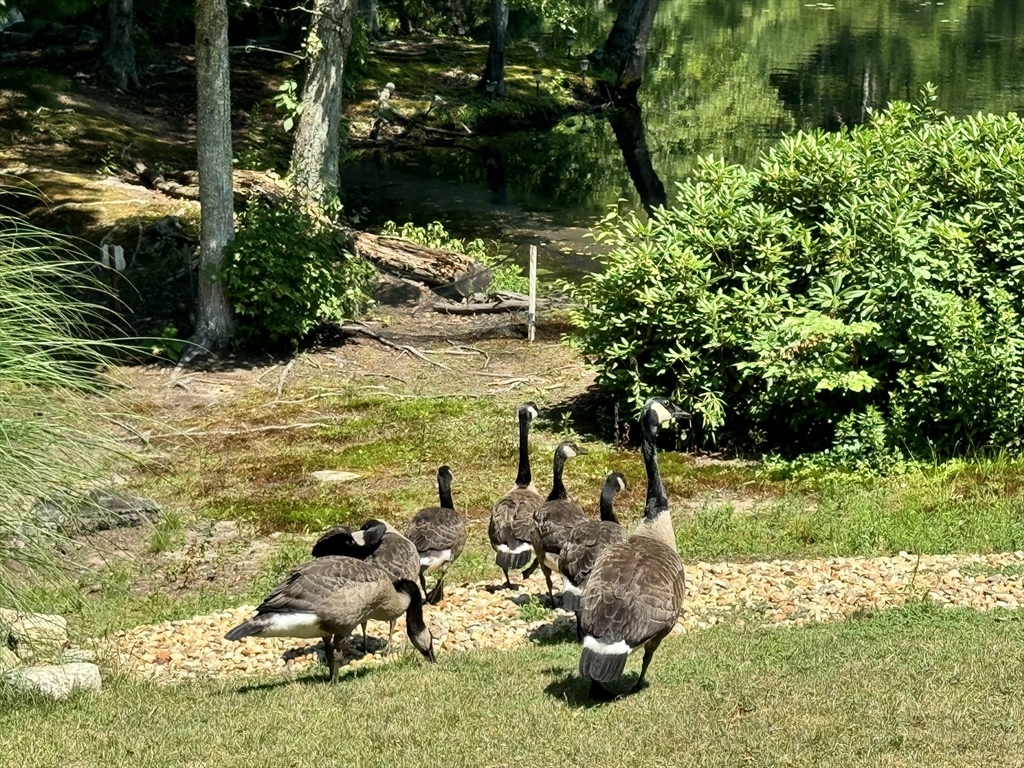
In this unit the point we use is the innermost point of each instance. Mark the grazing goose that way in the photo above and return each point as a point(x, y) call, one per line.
point(330, 596)
point(588, 540)
point(512, 517)
point(635, 591)
point(381, 546)
point(553, 519)
point(439, 534)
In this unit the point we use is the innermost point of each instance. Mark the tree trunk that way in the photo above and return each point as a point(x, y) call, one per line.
point(626, 48)
point(494, 71)
point(317, 148)
point(116, 66)
point(216, 200)
point(459, 12)
point(628, 124)
point(404, 21)
point(371, 18)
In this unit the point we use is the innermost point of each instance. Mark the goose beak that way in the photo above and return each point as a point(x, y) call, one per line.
point(582, 451)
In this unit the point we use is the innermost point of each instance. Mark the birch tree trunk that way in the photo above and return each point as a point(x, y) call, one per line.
point(317, 148)
point(116, 66)
point(216, 199)
point(494, 70)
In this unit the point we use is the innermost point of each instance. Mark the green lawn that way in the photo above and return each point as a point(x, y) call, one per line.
point(916, 686)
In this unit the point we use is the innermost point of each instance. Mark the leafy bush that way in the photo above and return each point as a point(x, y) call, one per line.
point(859, 291)
point(504, 278)
point(285, 273)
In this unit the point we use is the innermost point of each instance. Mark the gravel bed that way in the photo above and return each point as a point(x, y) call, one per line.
point(476, 616)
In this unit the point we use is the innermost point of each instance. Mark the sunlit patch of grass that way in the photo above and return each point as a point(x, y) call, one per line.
point(168, 533)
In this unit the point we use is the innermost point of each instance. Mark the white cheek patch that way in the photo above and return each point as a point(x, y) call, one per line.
point(359, 537)
point(568, 452)
point(532, 411)
point(524, 547)
point(622, 485)
point(661, 412)
point(601, 648)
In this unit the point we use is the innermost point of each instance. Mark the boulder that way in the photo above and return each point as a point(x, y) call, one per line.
point(8, 660)
point(57, 681)
point(334, 476)
point(101, 509)
point(78, 655)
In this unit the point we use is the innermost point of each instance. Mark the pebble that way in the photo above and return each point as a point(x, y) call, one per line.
point(775, 593)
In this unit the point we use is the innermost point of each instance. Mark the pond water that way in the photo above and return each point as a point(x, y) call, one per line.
point(724, 77)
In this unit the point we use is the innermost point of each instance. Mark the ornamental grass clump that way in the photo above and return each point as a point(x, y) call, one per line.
point(859, 292)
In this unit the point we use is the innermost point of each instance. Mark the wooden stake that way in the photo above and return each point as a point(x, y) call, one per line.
point(532, 323)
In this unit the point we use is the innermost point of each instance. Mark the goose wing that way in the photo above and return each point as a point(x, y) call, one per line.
point(309, 585)
point(635, 592)
point(436, 529)
point(585, 542)
point(554, 520)
point(396, 556)
point(512, 517)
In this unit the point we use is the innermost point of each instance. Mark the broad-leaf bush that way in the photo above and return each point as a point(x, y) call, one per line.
point(285, 273)
point(859, 292)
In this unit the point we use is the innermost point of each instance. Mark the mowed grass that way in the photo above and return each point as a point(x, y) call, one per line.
point(909, 687)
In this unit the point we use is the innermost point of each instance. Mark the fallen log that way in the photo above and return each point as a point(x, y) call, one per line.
point(448, 273)
point(492, 308)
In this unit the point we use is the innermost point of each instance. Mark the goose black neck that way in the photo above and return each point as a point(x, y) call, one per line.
point(444, 491)
point(557, 487)
point(657, 499)
point(414, 613)
point(607, 499)
point(525, 477)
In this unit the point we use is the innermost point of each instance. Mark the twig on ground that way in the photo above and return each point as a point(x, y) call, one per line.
point(284, 375)
point(245, 431)
point(408, 349)
point(262, 376)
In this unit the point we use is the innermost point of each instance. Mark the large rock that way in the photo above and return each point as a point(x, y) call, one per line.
point(57, 681)
point(33, 634)
point(8, 660)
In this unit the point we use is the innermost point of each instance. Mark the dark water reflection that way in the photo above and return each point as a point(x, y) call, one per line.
point(724, 77)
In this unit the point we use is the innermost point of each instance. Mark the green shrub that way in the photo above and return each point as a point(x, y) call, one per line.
point(859, 291)
point(504, 278)
point(285, 273)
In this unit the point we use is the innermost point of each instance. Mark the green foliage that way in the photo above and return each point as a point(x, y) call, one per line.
point(285, 273)
point(53, 439)
point(287, 100)
point(861, 291)
point(504, 278)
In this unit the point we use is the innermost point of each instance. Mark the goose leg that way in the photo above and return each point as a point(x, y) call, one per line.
point(391, 633)
point(437, 593)
point(332, 661)
point(547, 577)
point(365, 649)
point(423, 583)
point(531, 568)
point(508, 582)
point(579, 629)
point(649, 650)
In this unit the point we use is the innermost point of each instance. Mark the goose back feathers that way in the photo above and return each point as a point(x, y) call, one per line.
point(438, 533)
point(588, 540)
point(511, 523)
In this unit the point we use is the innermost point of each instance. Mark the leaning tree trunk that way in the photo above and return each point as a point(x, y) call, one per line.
point(371, 18)
point(216, 199)
point(494, 71)
point(116, 66)
point(315, 154)
point(628, 124)
point(626, 48)
point(404, 20)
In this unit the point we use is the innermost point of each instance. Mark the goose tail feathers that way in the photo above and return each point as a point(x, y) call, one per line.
point(602, 662)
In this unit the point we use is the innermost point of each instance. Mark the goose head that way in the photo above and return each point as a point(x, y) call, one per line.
point(444, 475)
point(343, 541)
point(528, 411)
point(568, 449)
point(659, 410)
point(415, 627)
point(615, 482)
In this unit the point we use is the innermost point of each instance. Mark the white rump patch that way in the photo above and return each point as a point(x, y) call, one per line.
point(433, 563)
point(551, 561)
point(290, 625)
point(661, 412)
point(572, 589)
point(591, 643)
point(524, 547)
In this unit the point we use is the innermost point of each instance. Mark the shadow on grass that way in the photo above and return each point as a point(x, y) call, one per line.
point(561, 631)
point(579, 693)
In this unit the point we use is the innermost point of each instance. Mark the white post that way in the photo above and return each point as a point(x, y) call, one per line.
point(532, 323)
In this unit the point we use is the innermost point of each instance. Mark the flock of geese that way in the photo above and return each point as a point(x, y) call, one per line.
point(626, 589)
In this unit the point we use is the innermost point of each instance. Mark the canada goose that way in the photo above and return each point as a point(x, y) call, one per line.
point(381, 546)
point(553, 519)
point(439, 534)
point(512, 516)
point(586, 541)
point(330, 596)
point(635, 591)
